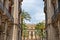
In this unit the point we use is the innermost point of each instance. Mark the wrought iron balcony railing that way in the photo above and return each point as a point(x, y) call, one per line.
point(6, 11)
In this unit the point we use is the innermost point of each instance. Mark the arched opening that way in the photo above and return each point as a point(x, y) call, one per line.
point(35, 9)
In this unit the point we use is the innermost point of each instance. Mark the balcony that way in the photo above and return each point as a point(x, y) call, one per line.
point(5, 12)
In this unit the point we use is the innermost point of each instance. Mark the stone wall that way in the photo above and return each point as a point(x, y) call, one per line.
point(52, 24)
point(10, 28)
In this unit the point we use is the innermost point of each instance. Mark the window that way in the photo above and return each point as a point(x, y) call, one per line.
point(58, 4)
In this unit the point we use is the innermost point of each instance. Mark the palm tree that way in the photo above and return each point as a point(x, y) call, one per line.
point(40, 27)
point(24, 16)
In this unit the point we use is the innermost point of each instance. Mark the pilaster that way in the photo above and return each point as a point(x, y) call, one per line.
point(15, 26)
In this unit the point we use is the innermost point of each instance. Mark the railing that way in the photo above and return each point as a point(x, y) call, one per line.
point(6, 11)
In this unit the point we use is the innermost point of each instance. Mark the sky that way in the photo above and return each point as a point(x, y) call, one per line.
point(35, 9)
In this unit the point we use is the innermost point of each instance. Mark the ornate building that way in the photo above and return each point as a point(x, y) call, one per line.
point(31, 33)
point(10, 19)
point(52, 14)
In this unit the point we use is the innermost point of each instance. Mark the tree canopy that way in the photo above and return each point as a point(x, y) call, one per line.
point(39, 28)
point(24, 16)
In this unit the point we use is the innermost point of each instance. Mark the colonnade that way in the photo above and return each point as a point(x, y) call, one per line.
point(31, 35)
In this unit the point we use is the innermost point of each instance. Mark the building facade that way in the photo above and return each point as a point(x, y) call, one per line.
point(31, 31)
point(10, 11)
point(52, 15)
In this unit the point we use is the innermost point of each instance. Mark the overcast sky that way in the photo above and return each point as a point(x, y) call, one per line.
point(35, 9)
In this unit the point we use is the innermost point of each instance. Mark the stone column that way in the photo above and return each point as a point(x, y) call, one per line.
point(5, 32)
point(20, 37)
point(33, 35)
point(29, 34)
point(15, 15)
